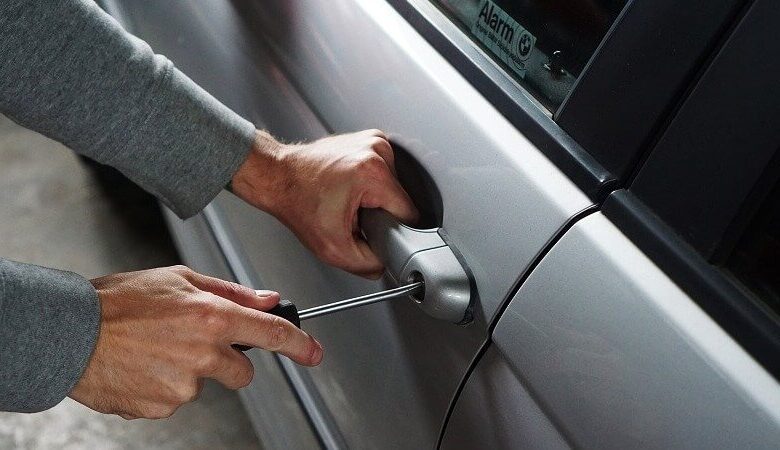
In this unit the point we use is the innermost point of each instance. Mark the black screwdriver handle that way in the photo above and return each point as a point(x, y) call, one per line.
point(284, 309)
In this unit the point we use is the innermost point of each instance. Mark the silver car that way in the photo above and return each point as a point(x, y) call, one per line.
point(600, 244)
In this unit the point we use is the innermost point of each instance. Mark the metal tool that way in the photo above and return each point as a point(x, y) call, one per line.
point(287, 309)
point(389, 294)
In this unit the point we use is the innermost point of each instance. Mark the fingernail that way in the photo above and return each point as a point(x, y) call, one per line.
point(264, 293)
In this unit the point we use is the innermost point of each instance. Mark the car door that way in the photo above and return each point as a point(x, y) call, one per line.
point(485, 152)
point(601, 349)
point(654, 323)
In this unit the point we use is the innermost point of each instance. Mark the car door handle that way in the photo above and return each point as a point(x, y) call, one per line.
point(411, 254)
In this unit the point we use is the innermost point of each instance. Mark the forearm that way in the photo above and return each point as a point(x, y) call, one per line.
point(49, 323)
point(72, 73)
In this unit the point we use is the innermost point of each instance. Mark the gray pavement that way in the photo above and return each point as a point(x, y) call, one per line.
point(55, 212)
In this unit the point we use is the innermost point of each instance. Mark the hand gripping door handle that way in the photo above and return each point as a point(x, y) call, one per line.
point(410, 255)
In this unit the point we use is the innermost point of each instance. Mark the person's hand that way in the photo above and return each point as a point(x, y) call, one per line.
point(162, 331)
point(316, 190)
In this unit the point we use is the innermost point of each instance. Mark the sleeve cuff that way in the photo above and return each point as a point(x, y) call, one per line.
point(49, 323)
point(192, 146)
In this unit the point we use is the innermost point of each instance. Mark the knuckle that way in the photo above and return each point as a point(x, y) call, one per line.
point(373, 166)
point(181, 269)
point(186, 393)
point(378, 133)
point(157, 411)
point(209, 363)
point(166, 411)
point(224, 285)
point(211, 319)
point(377, 142)
point(371, 161)
point(330, 253)
point(235, 290)
point(279, 334)
point(230, 288)
point(146, 412)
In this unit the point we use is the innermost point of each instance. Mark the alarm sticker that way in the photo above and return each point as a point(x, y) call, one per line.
point(503, 36)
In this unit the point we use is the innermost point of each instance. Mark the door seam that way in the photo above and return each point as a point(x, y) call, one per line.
point(548, 246)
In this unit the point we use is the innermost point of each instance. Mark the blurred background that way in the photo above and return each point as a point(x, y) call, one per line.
point(60, 211)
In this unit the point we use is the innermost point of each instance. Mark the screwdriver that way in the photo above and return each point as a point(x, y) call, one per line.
point(287, 309)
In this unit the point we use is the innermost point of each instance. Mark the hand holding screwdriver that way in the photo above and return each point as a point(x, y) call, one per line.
point(163, 331)
point(287, 309)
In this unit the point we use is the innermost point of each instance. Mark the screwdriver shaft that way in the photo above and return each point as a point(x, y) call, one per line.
point(360, 301)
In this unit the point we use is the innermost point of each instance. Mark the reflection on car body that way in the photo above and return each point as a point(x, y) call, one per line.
point(602, 317)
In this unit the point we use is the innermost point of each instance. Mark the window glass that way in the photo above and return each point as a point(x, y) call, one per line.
point(544, 44)
point(756, 259)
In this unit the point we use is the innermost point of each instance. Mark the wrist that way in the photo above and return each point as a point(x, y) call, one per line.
point(259, 180)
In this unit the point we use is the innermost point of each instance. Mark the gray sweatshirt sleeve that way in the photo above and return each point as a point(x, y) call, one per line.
point(49, 323)
point(70, 72)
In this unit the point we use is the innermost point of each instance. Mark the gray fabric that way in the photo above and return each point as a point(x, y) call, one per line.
point(69, 71)
point(49, 323)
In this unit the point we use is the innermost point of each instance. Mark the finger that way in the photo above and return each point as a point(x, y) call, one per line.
point(233, 371)
point(390, 196)
point(161, 410)
point(269, 332)
point(244, 296)
point(385, 151)
point(268, 299)
point(376, 132)
point(356, 257)
point(368, 264)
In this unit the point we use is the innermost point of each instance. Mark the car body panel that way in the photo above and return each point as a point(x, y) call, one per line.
point(619, 357)
point(496, 411)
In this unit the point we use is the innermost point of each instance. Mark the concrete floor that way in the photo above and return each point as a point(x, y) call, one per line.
point(55, 212)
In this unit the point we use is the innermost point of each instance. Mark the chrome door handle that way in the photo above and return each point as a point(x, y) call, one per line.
point(412, 255)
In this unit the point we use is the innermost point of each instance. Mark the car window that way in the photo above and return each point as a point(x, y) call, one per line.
point(544, 44)
point(756, 259)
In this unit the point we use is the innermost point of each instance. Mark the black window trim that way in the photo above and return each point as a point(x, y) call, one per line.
point(668, 195)
point(644, 66)
point(506, 95)
point(698, 143)
point(549, 131)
